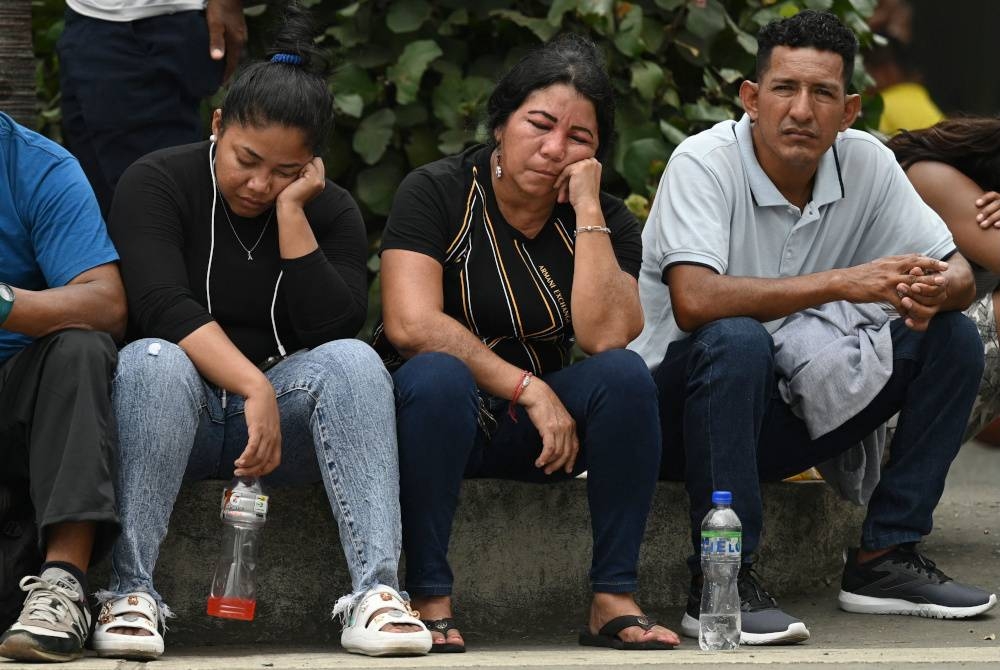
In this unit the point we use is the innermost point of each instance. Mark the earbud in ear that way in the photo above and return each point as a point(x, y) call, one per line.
point(212, 138)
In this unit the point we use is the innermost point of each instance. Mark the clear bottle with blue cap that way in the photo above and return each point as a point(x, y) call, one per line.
point(721, 540)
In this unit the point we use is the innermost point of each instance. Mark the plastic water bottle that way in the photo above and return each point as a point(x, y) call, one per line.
point(234, 587)
point(721, 537)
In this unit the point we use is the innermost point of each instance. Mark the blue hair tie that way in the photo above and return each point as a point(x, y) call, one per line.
point(291, 59)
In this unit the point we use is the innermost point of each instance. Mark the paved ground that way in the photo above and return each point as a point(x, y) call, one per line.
point(965, 543)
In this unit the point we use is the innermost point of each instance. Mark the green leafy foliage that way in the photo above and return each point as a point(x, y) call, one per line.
point(411, 77)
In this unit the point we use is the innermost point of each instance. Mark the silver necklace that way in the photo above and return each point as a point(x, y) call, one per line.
point(236, 235)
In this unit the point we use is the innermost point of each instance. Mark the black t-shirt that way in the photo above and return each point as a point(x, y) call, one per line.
point(511, 291)
point(161, 224)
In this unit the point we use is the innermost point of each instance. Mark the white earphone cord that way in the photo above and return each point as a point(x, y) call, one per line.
point(211, 255)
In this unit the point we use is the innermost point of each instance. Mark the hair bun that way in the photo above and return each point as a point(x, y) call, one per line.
point(293, 41)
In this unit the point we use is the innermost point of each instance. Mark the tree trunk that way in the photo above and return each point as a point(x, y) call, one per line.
point(17, 62)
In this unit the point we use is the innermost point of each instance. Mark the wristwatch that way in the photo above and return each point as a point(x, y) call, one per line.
point(6, 301)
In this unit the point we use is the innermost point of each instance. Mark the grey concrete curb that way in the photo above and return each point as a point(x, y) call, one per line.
point(521, 553)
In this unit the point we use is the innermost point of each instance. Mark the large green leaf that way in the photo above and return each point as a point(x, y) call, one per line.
point(453, 141)
point(601, 8)
point(710, 85)
point(373, 134)
point(599, 15)
point(706, 20)
point(558, 10)
point(864, 7)
point(704, 111)
point(377, 185)
point(632, 122)
point(628, 38)
point(542, 29)
point(855, 22)
point(766, 15)
point(349, 103)
point(455, 23)
point(653, 34)
point(410, 67)
point(788, 10)
point(456, 99)
point(406, 16)
point(729, 75)
point(672, 98)
point(347, 35)
point(446, 100)
point(349, 11)
point(673, 134)
point(646, 78)
point(352, 79)
point(644, 161)
point(748, 42)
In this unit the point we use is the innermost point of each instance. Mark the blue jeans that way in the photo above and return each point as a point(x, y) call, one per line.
point(337, 425)
point(613, 401)
point(726, 427)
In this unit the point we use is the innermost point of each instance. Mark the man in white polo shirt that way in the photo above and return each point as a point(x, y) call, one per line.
point(784, 211)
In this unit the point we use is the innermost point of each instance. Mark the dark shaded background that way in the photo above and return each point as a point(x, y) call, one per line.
point(956, 44)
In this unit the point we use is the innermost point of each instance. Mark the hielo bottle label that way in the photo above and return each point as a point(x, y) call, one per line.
point(721, 542)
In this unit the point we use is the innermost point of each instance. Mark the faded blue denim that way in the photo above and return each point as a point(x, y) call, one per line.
point(337, 425)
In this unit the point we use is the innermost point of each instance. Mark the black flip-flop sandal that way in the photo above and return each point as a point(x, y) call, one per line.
point(608, 638)
point(443, 626)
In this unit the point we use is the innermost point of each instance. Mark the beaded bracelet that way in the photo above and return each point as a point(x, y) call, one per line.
point(592, 229)
point(518, 390)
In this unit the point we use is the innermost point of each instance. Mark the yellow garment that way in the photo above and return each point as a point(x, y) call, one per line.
point(810, 475)
point(908, 106)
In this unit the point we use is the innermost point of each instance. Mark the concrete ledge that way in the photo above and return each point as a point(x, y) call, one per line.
point(521, 553)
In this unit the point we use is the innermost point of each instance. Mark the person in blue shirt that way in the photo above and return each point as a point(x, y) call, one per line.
point(62, 305)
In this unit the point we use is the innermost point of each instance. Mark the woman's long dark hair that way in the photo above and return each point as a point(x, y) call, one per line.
point(568, 59)
point(970, 144)
point(288, 94)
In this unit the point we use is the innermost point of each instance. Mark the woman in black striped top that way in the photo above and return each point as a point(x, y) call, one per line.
point(494, 263)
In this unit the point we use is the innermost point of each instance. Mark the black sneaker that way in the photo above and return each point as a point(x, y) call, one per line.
point(761, 620)
point(906, 582)
point(54, 622)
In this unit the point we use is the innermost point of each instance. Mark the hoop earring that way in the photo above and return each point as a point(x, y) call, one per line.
point(499, 170)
